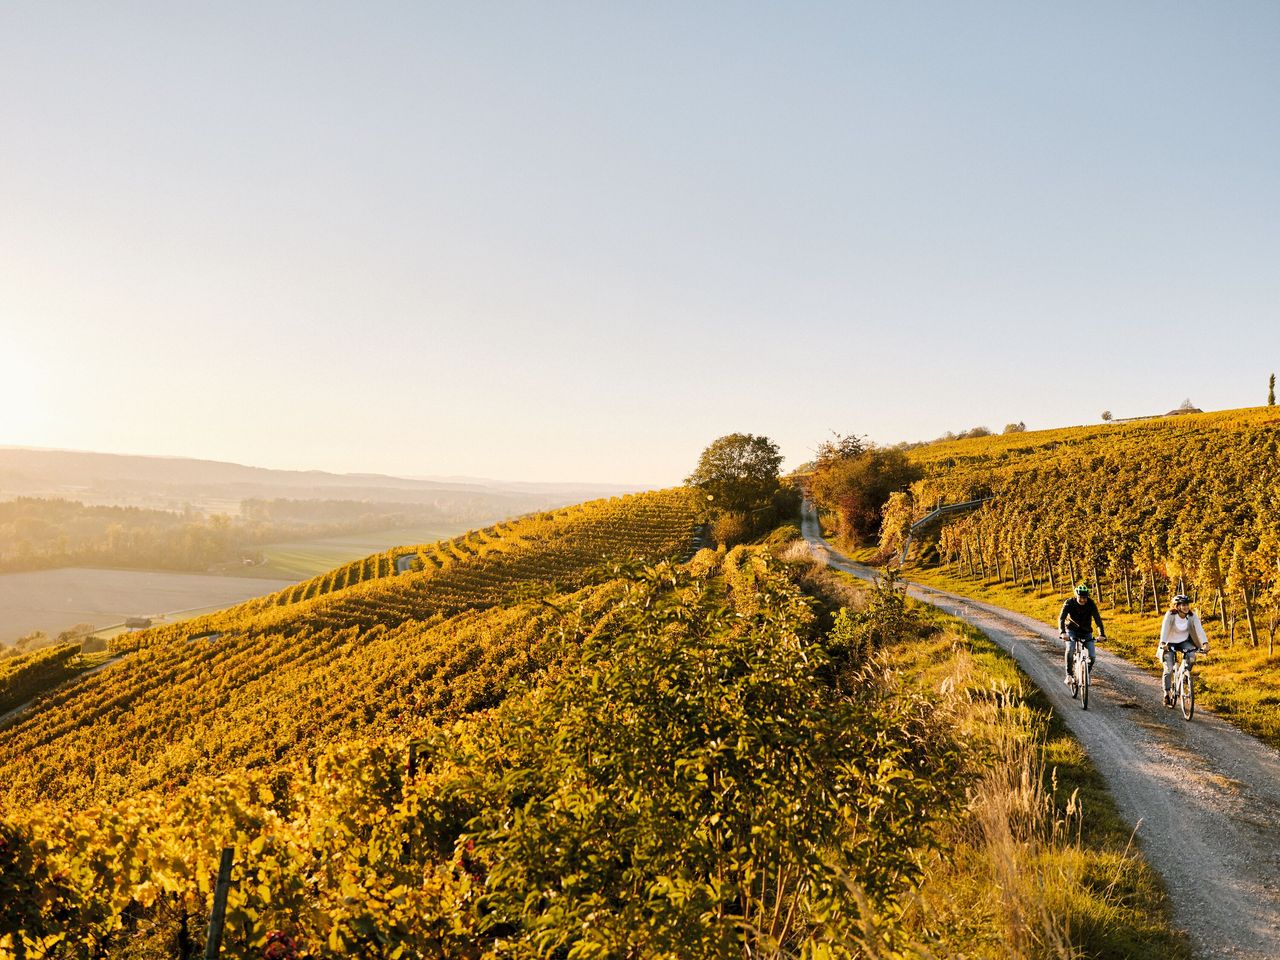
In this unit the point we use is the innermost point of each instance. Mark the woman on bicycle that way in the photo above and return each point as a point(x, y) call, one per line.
point(1181, 632)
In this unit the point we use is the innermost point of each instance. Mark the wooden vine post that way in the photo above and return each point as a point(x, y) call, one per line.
point(406, 849)
point(1248, 614)
point(217, 919)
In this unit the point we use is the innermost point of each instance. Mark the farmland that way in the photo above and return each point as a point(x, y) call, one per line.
point(652, 723)
point(54, 600)
point(299, 559)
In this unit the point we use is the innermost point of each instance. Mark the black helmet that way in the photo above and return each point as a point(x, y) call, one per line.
point(1082, 589)
point(1181, 598)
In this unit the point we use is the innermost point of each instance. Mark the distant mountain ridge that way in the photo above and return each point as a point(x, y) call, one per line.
point(534, 486)
point(126, 479)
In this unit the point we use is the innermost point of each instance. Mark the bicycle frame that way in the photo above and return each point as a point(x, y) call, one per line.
point(1184, 689)
point(1080, 670)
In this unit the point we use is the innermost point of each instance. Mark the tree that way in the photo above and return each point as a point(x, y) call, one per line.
point(1106, 415)
point(1271, 391)
point(1018, 427)
point(857, 488)
point(739, 472)
point(841, 448)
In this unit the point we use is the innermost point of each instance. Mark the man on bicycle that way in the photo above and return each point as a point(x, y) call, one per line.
point(1078, 615)
point(1181, 632)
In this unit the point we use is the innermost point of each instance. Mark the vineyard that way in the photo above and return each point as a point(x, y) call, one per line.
point(633, 757)
point(277, 677)
point(25, 675)
point(543, 552)
point(674, 763)
point(1141, 510)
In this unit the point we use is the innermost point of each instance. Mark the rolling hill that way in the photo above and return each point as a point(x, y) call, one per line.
point(277, 676)
point(559, 736)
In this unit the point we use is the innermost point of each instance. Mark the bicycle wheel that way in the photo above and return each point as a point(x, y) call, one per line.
point(1187, 694)
point(1085, 670)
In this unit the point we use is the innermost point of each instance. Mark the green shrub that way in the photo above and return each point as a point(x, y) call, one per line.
point(730, 529)
point(781, 535)
point(685, 781)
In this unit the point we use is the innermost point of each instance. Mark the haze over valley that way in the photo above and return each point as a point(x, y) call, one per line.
point(93, 540)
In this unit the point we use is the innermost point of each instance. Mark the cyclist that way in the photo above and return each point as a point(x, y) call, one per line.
point(1181, 632)
point(1078, 615)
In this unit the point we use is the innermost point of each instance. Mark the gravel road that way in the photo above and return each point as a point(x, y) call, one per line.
point(1203, 796)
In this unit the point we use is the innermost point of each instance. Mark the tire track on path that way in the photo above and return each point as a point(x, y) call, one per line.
point(1203, 796)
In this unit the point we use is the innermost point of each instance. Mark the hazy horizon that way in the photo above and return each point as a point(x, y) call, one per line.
point(437, 478)
point(575, 243)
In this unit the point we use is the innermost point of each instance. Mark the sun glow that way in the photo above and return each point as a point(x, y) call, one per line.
point(26, 390)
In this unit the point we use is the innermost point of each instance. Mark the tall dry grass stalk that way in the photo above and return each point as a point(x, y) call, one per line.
point(1022, 835)
point(1025, 841)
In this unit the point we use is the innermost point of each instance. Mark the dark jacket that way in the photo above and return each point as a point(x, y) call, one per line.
point(1077, 617)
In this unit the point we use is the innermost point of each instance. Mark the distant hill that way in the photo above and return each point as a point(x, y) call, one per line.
point(172, 482)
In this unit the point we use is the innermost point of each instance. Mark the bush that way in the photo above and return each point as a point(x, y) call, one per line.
point(696, 773)
point(780, 536)
point(884, 621)
point(856, 489)
point(730, 529)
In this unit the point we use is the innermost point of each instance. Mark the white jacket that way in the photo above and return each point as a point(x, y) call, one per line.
point(1195, 631)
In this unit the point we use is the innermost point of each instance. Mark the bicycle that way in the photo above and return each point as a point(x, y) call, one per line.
point(1184, 689)
point(1081, 670)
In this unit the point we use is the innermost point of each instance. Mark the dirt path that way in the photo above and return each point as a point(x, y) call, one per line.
point(1204, 797)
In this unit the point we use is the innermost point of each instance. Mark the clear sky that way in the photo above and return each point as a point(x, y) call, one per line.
point(579, 241)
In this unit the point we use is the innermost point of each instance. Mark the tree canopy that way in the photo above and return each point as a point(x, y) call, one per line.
point(856, 487)
point(738, 471)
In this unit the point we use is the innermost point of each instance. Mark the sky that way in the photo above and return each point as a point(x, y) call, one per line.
point(580, 241)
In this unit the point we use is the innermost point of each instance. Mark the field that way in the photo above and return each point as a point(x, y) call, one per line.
point(54, 600)
point(300, 559)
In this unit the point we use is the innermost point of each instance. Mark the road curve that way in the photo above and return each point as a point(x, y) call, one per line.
point(1203, 796)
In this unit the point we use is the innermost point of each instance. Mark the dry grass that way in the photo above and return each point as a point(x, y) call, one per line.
point(1039, 867)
